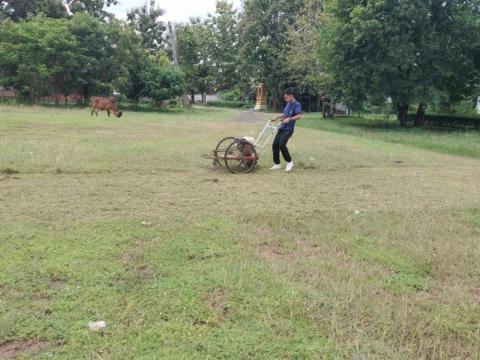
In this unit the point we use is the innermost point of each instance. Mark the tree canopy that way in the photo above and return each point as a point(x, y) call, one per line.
point(360, 52)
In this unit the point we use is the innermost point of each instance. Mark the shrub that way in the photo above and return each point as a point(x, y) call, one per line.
point(231, 95)
point(450, 121)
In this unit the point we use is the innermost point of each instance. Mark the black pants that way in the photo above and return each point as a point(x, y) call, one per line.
point(280, 144)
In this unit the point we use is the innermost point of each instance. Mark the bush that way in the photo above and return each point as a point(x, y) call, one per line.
point(232, 95)
point(230, 104)
point(450, 121)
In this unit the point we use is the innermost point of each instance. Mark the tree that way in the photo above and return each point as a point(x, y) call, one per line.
point(305, 69)
point(194, 44)
point(264, 34)
point(162, 81)
point(38, 57)
point(399, 50)
point(145, 19)
point(94, 8)
point(103, 52)
point(21, 9)
point(222, 27)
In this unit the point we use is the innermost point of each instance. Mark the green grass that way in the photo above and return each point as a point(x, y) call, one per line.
point(463, 143)
point(369, 249)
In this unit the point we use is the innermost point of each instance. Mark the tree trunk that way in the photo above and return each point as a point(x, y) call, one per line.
point(332, 108)
point(324, 110)
point(192, 96)
point(204, 98)
point(420, 116)
point(402, 114)
point(186, 101)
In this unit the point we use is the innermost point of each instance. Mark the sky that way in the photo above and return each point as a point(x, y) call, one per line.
point(176, 10)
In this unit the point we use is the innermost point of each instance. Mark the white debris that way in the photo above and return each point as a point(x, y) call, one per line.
point(357, 212)
point(146, 223)
point(97, 325)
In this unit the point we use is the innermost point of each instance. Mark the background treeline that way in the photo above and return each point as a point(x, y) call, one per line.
point(386, 55)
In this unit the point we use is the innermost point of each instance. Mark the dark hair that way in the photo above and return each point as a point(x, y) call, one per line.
point(288, 91)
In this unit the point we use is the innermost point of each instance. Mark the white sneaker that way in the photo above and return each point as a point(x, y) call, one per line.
point(289, 166)
point(276, 167)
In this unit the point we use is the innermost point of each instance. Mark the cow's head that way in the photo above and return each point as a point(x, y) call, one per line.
point(119, 114)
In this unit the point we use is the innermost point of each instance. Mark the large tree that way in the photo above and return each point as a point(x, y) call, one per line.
point(21, 9)
point(194, 44)
point(38, 57)
point(94, 8)
point(104, 50)
point(222, 28)
point(305, 69)
point(400, 50)
point(162, 80)
point(146, 20)
point(264, 42)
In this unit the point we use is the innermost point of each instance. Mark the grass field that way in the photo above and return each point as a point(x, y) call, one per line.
point(368, 250)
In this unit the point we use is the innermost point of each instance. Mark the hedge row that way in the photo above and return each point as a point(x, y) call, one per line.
point(450, 121)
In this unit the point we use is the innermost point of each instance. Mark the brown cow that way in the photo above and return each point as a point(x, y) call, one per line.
point(108, 104)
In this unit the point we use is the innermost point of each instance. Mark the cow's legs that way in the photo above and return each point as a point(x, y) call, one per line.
point(108, 112)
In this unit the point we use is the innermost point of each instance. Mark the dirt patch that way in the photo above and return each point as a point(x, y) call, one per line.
point(59, 283)
point(12, 349)
point(41, 300)
point(134, 263)
point(217, 300)
point(271, 252)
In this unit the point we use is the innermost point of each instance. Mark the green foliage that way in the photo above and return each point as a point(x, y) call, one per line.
point(162, 81)
point(451, 121)
point(104, 51)
point(21, 9)
point(48, 56)
point(194, 44)
point(145, 20)
point(401, 50)
point(302, 59)
point(92, 7)
point(222, 28)
point(264, 38)
point(364, 53)
point(38, 57)
point(233, 95)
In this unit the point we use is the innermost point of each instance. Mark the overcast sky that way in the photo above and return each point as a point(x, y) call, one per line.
point(176, 10)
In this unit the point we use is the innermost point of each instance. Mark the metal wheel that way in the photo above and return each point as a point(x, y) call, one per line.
point(219, 152)
point(240, 157)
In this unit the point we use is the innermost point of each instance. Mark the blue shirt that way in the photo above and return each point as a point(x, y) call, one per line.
point(292, 109)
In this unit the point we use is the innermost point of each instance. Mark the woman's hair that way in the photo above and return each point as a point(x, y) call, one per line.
point(288, 91)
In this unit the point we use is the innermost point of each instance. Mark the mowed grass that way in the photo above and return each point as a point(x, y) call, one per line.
point(368, 250)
